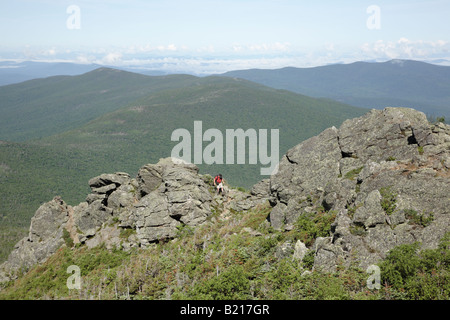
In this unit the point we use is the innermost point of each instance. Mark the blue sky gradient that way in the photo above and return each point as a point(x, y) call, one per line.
point(216, 36)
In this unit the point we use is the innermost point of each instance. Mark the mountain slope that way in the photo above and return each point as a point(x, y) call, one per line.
point(140, 132)
point(15, 72)
point(401, 83)
point(42, 107)
point(144, 128)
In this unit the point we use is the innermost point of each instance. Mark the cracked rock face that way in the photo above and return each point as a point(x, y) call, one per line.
point(45, 236)
point(172, 195)
point(391, 156)
point(162, 197)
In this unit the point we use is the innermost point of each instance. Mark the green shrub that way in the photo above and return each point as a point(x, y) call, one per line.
point(265, 245)
point(67, 239)
point(126, 232)
point(232, 284)
point(424, 219)
point(310, 226)
point(441, 119)
point(420, 150)
point(358, 230)
point(283, 278)
point(429, 286)
point(184, 230)
point(329, 288)
point(400, 264)
point(99, 257)
point(388, 200)
point(308, 260)
point(352, 174)
point(419, 275)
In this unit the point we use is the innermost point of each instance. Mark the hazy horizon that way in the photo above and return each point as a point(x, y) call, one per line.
point(207, 37)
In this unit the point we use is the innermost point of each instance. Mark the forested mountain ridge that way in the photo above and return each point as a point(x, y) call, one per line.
point(395, 83)
point(43, 107)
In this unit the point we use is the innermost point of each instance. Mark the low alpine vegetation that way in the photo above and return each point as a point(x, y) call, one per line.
point(233, 259)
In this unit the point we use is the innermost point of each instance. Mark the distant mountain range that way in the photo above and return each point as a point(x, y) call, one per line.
point(396, 83)
point(405, 83)
point(15, 72)
point(12, 72)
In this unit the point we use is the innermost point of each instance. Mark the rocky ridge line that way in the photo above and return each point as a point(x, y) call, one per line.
point(385, 176)
point(121, 212)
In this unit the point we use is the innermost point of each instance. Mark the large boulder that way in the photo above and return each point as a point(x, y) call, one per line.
point(303, 171)
point(45, 236)
point(385, 175)
point(110, 193)
point(171, 193)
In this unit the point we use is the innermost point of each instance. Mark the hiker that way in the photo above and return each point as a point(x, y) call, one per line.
point(218, 182)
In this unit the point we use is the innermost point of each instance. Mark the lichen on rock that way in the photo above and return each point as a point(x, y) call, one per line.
point(345, 169)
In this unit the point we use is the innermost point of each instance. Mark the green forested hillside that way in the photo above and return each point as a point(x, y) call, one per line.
point(140, 132)
point(43, 107)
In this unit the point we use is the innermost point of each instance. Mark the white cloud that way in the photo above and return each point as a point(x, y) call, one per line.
point(236, 47)
point(269, 47)
point(206, 49)
point(84, 59)
point(439, 43)
point(171, 47)
point(112, 58)
point(207, 65)
point(330, 47)
point(209, 59)
point(404, 49)
point(50, 52)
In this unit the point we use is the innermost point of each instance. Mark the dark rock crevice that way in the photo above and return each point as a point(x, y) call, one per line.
point(412, 139)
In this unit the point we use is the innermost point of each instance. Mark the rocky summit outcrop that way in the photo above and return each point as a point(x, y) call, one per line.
point(168, 195)
point(385, 175)
point(124, 212)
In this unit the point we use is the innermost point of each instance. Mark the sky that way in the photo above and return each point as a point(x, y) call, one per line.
point(215, 36)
